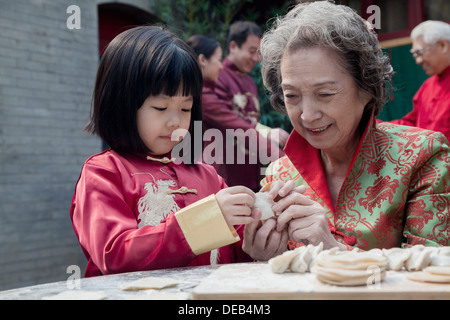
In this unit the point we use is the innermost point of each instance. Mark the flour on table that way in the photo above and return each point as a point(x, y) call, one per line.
point(149, 283)
point(77, 295)
point(161, 295)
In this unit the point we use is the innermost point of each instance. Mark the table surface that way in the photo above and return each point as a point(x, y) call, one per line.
point(189, 277)
point(236, 281)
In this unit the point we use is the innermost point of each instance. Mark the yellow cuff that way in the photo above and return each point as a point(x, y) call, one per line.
point(204, 226)
point(263, 130)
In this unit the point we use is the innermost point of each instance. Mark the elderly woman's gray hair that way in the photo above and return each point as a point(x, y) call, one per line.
point(336, 27)
point(432, 31)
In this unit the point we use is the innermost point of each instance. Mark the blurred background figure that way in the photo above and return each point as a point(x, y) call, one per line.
point(431, 103)
point(236, 106)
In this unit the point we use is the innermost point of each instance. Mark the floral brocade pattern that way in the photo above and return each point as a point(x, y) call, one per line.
point(396, 193)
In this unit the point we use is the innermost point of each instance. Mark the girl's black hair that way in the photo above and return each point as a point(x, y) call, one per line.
point(203, 45)
point(143, 61)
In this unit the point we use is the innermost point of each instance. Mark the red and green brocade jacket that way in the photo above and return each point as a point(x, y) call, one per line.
point(396, 192)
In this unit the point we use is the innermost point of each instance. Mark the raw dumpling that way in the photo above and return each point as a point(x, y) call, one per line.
point(264, 204)
point(396, 258)
point(281, 263)
point(419, 259)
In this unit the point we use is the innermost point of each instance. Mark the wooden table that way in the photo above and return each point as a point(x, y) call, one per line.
point(110, 284)
point(256, 281)
point(241, 281)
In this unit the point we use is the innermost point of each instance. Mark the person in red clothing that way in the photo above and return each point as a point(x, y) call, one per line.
point(431, 103)
point(235, 107)
point(135, 207)
point(222, 124)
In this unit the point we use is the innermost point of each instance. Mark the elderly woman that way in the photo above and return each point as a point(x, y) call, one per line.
point(369, 185)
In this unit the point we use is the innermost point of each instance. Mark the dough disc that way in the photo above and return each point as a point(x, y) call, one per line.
point(77, 295)
point(423, 276)
point(342, 277)
point(149, 283)
point(443, 271)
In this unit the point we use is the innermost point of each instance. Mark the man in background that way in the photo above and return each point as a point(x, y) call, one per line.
point(239, 111)
point(431, 103)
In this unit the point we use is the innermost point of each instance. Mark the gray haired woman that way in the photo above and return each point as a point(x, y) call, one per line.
point(368, 184)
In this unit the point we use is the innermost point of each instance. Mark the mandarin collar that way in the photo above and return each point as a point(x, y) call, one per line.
point(306, 159)
point(230, 65)
point(163, 158)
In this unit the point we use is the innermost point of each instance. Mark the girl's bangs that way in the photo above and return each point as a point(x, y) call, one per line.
point(179, 75)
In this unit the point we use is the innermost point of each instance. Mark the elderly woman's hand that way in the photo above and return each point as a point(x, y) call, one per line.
point(305, 220)
point(264, 241)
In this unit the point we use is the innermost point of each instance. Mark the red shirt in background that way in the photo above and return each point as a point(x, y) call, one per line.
point(431, 105)
point(232, 103)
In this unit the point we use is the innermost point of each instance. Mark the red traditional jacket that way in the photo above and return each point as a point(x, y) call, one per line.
point(232, 103)
point(396, 192)
point(133, 213)
point(431, 105)
point(239, 91)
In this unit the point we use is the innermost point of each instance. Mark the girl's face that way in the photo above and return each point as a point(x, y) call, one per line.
point(323, 102)
point(159, 116)
point(212, 66)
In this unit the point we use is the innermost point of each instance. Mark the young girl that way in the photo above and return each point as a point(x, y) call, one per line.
point(134, 207)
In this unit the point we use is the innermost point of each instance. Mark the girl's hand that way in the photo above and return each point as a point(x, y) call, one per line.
point(236, 204)
point(263, 241)
point(306, 221)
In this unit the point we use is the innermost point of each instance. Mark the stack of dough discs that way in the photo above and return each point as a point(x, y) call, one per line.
point(350, 268)
point(435, 274)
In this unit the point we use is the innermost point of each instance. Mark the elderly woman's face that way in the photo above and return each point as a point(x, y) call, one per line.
point(322, 100)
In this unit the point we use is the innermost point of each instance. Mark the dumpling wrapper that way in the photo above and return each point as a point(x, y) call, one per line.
point(149, 283)
point(162, 295)
point(443, 271)
point(423, 276)
point(351, 260)
point(345, 277)
point(77, 295)
point(348, 268)
point(264, 204)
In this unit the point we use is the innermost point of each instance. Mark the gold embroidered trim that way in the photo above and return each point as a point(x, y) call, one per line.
point(182, 190)
point(164, 160)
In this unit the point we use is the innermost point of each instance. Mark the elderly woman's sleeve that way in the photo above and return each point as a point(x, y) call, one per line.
point(428, 207)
